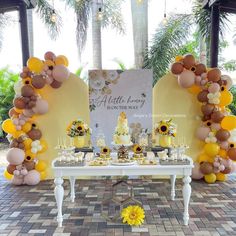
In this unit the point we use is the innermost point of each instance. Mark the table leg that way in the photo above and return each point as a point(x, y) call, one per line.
point(59, 194)
point(172, 179)
point(72, 188)
point(186, 195)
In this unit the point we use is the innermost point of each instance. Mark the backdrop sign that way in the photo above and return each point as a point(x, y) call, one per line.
point(113, 91)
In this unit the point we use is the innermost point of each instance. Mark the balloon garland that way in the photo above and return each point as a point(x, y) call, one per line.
point(216, 132)
point(26, 143)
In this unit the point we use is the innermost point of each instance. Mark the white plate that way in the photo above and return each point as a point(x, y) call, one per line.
point(124, 164)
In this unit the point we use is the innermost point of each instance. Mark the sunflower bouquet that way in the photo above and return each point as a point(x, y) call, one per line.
point(166, 127)
point(78, 128)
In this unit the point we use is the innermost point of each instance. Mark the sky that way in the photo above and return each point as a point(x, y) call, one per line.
point(10, 54)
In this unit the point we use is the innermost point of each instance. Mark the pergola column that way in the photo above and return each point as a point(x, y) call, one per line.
point(215, 27)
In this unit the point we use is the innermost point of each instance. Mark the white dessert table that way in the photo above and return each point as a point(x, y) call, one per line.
point(133, 170)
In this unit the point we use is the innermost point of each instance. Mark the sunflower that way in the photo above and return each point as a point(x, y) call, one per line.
point(163, 128)
point(133, 215)
point(105, 150)
point(137, 149)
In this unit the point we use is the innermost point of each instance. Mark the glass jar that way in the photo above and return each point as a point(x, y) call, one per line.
point(143, 139)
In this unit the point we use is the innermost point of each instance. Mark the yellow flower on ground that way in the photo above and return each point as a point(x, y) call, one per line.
point(105, 150)
point(133, 215)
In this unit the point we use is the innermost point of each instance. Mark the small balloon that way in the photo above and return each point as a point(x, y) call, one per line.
point(222, 135)
point(202, 132)
point(7, 175)
point(19, 102)
point(177, 68)
point(196, 173)
point(49, 56)
point(214, 75)
point(11, 168)
point(232, 154)
point(200, 69)
point(27, 91)
point(228, 122)
point(206, 168)
point(188, 61)
point(38, 81)
point(35, 64)
point(41, 107)
point(207, 109)
point(41, 166)
point(35, 134)
point(226, 98)
point(213, 88)
point(210, 179)
point(202, 96)
point(8, 126)
point(55, 84)
point(217, 116)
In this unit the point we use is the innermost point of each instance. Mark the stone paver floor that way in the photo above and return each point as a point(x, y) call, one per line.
point(31, 210)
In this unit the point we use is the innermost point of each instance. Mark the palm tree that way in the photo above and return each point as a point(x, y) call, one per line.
point(170, 38)
point(140, 30)
point(84, 9)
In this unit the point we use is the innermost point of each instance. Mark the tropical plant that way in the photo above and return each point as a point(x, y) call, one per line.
point(232, 106)
point(7, 80)
point(173, 37)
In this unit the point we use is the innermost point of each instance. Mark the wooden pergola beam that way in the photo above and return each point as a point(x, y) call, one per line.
point(21, 6)
point(217, 6)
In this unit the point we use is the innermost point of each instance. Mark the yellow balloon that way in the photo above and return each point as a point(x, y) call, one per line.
point(61, 60)
point(26, 127)
point(27, 143)
point(49, 63)
point(204, 158)
point(211, 149)
point(178, 58)
point(35, 64)
point(226, 98)
point(18, 110)
point(228, 122)
point(7, 175)
point(44, 145)
point(221, 177)
point(222, 153)
point(43, 175)
point(17, 134)
point(8, 126)
point(41, 166)
point(194, 89)
point(210, 179)
point(29, 156)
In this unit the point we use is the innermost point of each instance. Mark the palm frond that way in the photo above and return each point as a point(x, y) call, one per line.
point(45, 11)
point(203, 19)
point(112, 15)
point(165, 44)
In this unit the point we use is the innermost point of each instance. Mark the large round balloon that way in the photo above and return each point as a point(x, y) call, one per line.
point(206, 168)
point(188, 61)
point(7, 175)
point(27, 91)
point(19, 102)
point(200, 69)
point(207, 109)
point(226, 98)
point(222, 135)
point(8, 126)
point(232, 154)
point(32, 178)
point(61, 60)
point(196, 173)
point(49, 56)
point(40, 166)
point(38, 81)
point(186, 79)
point(204, 158)
point(217, 116)
point(55, 84)
point(228, 122)
point(214, 75)
point(41, 107)
point(210, 179)
point(35, 64)
point(60, 73)
point(35, 134)
point(177, 68)
point(15, 156)
point(203, 132)
point(202, 96)
point(211, 149)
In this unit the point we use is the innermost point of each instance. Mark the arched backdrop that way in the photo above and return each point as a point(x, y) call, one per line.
point(67, 103)
point(71, 101)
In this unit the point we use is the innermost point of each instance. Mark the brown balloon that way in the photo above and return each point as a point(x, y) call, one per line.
point(177, 68)
point(189, 61)
point(214, 75)
point(232, 154)
point(29, 165)
point(19, 103)
point(222, 82)
point(207, 109)
point(11, 168)
point(217, 116)
point(202, 96)
point(17, 143)
point(206, 118)
point(200, 69)
point(27, 91)
point(55, 84)
point(38, 81)
point(226, 171)
point(222, 135)
point(206, 168)
point(12, 112)
point(34, 134)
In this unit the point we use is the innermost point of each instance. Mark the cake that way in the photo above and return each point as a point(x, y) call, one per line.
point(122, 136)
